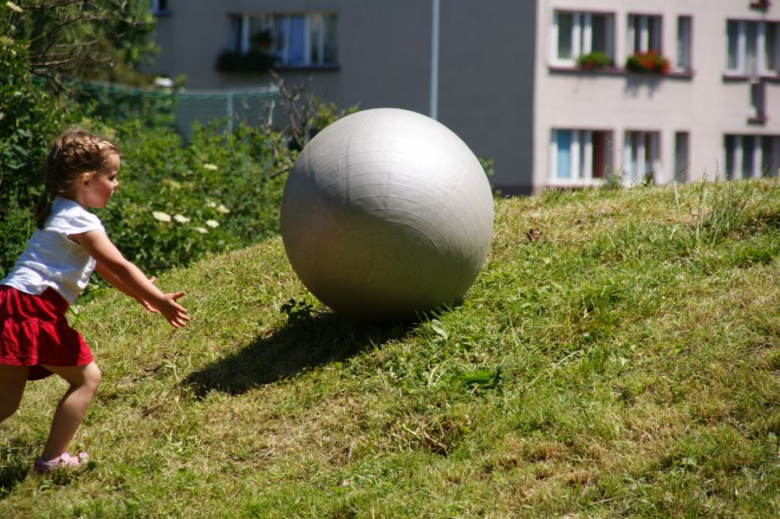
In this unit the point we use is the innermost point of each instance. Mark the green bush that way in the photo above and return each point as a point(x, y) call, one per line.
point(30, 119)
point(178, 202)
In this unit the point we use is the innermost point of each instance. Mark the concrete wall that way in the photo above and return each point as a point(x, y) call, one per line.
point(705, 104)
point(486, 64)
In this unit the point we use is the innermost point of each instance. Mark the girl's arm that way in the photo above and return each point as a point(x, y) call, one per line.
point(137, 285)
point(119, 285)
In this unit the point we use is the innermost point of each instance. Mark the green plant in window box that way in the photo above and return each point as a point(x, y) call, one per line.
point(253, 61)
point(261, 40)
point(594, 60)
point(647, 62)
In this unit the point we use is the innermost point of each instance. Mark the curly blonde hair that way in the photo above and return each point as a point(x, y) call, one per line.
point(75, 153)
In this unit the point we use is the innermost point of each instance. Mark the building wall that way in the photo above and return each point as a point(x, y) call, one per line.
point(486, 64)
point(498, 88)
point(704, 104)
point(486, 83)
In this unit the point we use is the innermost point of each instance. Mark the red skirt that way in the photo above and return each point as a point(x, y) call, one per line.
point(34, 332)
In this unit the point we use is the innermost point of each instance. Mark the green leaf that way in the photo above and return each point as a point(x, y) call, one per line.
point(440, 330)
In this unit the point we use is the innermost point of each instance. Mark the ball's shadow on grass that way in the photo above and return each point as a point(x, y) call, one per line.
point(302, 344)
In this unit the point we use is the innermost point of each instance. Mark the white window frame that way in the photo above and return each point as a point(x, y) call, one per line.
point(762, 67)
point(581, 159)
point(581, 37)
point(270, 22)
point(641, 23)
point(635, 172)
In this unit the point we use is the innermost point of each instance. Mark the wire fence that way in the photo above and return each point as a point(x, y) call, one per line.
point(253, 106)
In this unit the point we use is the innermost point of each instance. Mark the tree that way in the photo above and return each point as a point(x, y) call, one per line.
point(65, 39)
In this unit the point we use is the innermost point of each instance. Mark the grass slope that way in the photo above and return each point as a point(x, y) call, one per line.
point(618, 356)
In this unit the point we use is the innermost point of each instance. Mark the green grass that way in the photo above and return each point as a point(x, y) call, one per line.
point(618, 356)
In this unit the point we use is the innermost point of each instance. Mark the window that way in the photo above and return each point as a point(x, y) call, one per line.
point(160, 7)
point(295, 40)
point(576, 34)
point(681, 161)
point(644, 34)
point(579, 157)
point(752, 48)
point(642, 158)
point(757, 112)
point(684, 29)
point(751, 156)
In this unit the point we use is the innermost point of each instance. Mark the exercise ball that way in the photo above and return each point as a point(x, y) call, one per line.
point(386, 213)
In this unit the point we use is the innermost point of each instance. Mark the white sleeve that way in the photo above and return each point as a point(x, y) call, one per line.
point(74, 221)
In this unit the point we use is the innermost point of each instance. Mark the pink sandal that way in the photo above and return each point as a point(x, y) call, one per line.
point(65, 460)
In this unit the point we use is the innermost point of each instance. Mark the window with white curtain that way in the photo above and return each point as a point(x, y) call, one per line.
point(752, 48)
point(295, 39)
point(751, 156)
point(681, 154)
point(575, 34)
point(644, 34)
point(579, 157)
point(684, 31)
point(642, 158)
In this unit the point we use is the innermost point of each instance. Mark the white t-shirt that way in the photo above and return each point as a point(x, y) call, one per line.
point(51, 259)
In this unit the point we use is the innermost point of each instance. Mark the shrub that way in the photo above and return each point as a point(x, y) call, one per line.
point(29, 120)
point(178, 203)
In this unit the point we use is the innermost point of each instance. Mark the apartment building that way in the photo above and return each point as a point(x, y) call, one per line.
point(713, 111)
point(560, 93)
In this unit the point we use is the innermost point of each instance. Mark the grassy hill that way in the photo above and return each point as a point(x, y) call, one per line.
point(617, 356)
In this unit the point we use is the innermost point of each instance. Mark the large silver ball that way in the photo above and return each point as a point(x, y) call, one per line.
point(387, 213)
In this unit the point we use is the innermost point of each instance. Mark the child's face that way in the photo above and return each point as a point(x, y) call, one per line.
point(100, 187)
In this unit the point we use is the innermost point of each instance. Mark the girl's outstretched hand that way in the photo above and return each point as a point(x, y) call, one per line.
point(129, 279)
point(173, 311)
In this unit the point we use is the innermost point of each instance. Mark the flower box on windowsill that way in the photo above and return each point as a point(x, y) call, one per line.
point(595, 61)
point(251, 62)
point(576, 69)
point(647, 63)
point(613, 71)
point(760, 4)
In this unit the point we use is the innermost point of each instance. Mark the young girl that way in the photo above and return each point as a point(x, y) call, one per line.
point(69, 243)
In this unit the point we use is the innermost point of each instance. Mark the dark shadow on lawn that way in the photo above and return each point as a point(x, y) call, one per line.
point(16, 465)
point(303, 343)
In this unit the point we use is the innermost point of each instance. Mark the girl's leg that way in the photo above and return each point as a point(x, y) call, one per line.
point(84, 381)
point(12, 382)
